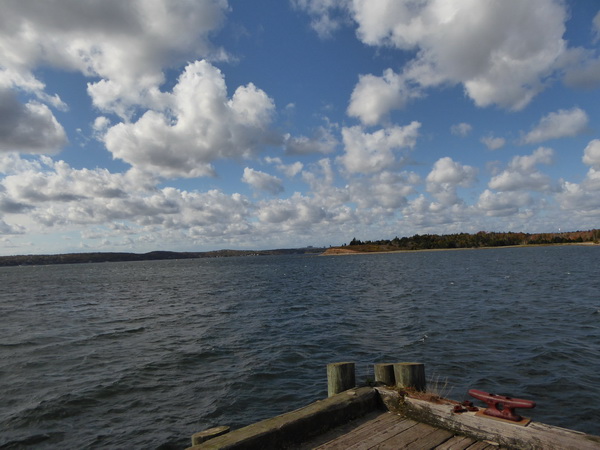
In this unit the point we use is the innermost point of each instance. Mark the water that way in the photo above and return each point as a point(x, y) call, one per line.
point(144, 354)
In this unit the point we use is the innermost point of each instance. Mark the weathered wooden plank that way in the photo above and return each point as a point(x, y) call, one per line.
point(432, 440)
point(534, 436)
point(371, 440)
point(379, 423)
point(362, 432)
point(341, 430)
point(390, 431)
point(456, 443)
point(411, 438)
point(294, 427)
point(211, 433)
point(482, 445)
point(426, 440)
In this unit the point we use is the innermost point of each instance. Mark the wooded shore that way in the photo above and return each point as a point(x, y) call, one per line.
point(458, 241)
point(352, 251)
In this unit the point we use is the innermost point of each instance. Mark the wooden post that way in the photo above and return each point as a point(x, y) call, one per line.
point(410, 375)
point(340, 377)
point(202, 436)
point(384, 373)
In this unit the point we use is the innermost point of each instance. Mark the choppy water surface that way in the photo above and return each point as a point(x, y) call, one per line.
point(144, 354)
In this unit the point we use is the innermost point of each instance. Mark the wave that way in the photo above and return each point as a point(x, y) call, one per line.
point(32, 440)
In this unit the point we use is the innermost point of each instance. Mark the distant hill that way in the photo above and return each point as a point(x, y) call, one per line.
point(466, 240)
point(96, 257)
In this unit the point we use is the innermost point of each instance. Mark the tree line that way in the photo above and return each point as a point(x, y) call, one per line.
point(480, 239)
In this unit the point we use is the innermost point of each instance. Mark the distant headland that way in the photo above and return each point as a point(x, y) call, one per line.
point(465, 241)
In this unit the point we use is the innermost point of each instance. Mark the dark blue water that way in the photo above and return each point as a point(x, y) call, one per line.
point(144, 354)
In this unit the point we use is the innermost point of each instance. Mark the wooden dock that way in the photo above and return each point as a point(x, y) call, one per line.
point(398, 413)
point(383, 418)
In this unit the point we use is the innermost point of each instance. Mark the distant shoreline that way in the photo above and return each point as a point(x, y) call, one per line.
point(101, 257)
point(343, 251)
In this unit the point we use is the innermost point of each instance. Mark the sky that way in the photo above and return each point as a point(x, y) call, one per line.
point(196, 125)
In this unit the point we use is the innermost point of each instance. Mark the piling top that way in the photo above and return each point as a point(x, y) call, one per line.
point(340, 377)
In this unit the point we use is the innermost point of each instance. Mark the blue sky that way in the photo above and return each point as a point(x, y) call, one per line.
point(206, 124)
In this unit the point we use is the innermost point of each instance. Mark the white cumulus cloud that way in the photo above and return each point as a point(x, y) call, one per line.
point(461, 129)
point(374, 97)
point(51, 194)
point(322, 141)
point(28, 128)
point(583, 199)
point(327, 15)
point(196, 125)
point(562, 123)
point(493, 143)
point(388, 190)
point(373, 152)
point(500, 52)
point(290, 170)
point(262, 181)
point(591, 154)
point(522, 173)
point(446, 176)
point(125, 44)
point(497, 204)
